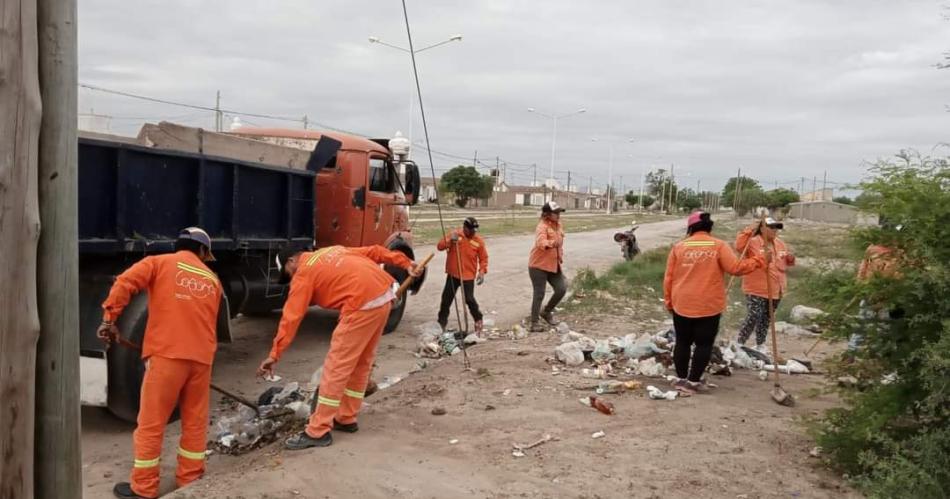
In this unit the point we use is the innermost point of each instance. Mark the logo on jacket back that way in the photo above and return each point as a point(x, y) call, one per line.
point(194, 282)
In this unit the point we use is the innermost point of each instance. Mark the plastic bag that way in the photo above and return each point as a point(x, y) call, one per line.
point(569, 353)
point(650, 368)
point(642, 346)
point(602, 352)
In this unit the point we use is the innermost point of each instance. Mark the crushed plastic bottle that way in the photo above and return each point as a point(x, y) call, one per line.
point(604, 406)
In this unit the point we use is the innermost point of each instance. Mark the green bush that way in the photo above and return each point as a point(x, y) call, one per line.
point(892, 436)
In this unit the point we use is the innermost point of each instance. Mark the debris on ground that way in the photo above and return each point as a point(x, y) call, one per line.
point(801, 313)
point(815, 452)
point(617, 386)
point(520, 448)
point(438, 411)
point(569, 353)
point(657, 394)
point(796, 330)
point(791, 366)
point(847, 381)
point(282, 410)
point(763, 375)
point(598, 434)
point(604, 406)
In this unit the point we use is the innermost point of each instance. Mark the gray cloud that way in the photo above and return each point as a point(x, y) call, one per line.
point(784, 90)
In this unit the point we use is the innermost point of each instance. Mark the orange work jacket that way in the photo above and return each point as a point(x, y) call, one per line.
point(548, 251)
point(693, 284)
point(338, 278)
point(474, 255)
point(879, 260)
point(183, 300)
point(754, 283)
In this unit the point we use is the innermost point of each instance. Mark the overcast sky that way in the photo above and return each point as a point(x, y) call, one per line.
point(781, 89)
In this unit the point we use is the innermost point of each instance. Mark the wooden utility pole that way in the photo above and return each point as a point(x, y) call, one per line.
point(58, 468)
point(19, 232)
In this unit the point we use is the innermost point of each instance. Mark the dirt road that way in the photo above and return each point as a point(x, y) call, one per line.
point(107, 442)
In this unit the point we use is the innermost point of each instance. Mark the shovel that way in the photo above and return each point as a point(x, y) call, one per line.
point(779, 395)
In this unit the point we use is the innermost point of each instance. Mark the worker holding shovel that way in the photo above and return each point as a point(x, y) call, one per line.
point(178, 350)
point(349, 280)
point(466, 263)
point(753, 240)
point(694, 292)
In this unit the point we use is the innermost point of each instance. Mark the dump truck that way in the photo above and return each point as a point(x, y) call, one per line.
point(255, 191)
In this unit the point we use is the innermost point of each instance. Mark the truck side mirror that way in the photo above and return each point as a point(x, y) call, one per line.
point(413, 183)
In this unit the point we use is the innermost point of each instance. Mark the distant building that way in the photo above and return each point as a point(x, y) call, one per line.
point(830, 212)
point(819, 195)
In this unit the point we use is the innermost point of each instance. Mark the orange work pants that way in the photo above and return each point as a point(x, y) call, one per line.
point(169, 383)
point(347, 368)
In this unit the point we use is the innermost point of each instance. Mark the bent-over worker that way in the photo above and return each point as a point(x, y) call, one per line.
point(466, 249)
point(545, 265)
point(753, 240)
point(694, 293)
point(349, 280)
point(178, 350)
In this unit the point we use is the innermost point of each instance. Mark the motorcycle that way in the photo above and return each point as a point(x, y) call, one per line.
point(628, 242)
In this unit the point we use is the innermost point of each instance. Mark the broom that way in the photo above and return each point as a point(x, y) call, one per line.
point(779, 395)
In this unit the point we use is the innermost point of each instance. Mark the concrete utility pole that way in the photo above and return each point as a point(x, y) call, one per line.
point(568, 181)
point(824, 185)
point(19, 233)
point(218, 119)
point(306, 122)
point(58, 468)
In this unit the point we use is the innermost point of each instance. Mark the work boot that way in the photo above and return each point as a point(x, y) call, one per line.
point(536, 327)
point(478, 327)
point(346, 427)
point(698, 386)
point(124, 490)
point(548, 316)
point(302, 441)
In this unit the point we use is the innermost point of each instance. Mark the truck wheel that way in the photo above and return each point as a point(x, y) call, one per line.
point(125, 366)
point(395, 315)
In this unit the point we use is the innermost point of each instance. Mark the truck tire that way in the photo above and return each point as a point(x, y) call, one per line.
point(395, 315)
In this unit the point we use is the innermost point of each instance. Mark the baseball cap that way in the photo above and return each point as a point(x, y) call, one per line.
point(552, 207)
point(281, 260)
point(198, 235)
point(773, 224)
point(695, 217)
point(471, 223)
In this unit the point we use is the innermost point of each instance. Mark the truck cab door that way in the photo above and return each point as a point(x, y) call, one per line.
point(380, 200)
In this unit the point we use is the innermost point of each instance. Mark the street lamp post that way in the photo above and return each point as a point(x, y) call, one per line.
point(554, 118)
point(610, 171)
point(377, 40)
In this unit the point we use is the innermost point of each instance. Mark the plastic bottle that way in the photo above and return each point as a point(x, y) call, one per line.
point(602, 405)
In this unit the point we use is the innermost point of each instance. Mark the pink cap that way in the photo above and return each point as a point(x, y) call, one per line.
point(693, 218)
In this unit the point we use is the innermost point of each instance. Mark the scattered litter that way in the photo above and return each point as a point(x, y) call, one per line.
point(801, 313)
point(315, 379)
point(639, 347)
point(847, 381)
point(756, 355)
point(815, 452)
point(489, 407)
point(569, 353)
point(585, 401)
point(518, 332)
point(555, 371)
point(602, 352)
point(651, 368)
point(793, 330)
point(604, 406)
point(763, 375)
point(438, 411)
point(657, 394)
point(617, 386)
point(281, 410)
point(599, 372)
point(473, 339)
point(506, 392)
point(488, 322)
point(520, 448)
point(791, 367)
point(563, 328)
point(453, 441)
point(273, 378)
point(390, 381)
point(598, 434)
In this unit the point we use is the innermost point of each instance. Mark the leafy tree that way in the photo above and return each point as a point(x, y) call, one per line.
point(633, 198)
point(893, 435)
point(780, 198)
point(750, 194)
point(466, 183)
point(843, 200)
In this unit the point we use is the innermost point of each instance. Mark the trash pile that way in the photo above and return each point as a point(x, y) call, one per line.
point(281, 411)
point(435, 343)
point(646, 355)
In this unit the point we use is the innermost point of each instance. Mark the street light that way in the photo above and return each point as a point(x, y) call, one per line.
point(555, 117)
point(610, 169)
point(377, 40)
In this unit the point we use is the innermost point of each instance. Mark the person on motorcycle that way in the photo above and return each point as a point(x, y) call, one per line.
point(628, 242)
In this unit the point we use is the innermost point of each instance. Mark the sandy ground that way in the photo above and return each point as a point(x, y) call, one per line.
point(724, 445)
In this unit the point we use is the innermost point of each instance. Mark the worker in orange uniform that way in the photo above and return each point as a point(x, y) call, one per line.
point(466, 249)
point(349, 280)
point(880, 261)
point(545, 265)
point(753, 240)
point(178, 350)
point(694, 293)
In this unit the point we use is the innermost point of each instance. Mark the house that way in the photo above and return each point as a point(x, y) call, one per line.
point(829, 212)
